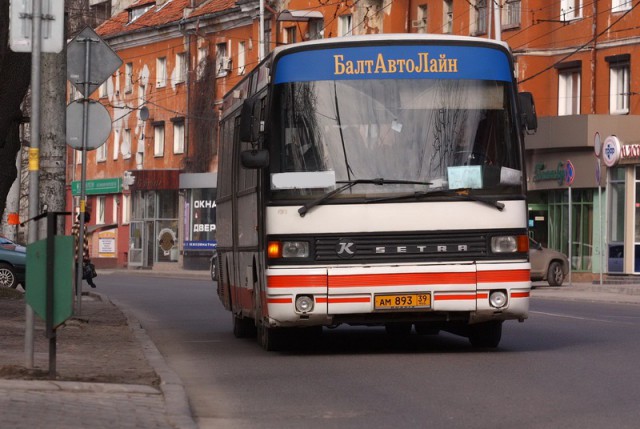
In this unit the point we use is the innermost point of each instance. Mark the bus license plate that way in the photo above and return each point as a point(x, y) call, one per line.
point(402, 301)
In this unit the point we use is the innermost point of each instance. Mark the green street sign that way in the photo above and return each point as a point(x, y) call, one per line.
point(63, 266)
point(98, 186)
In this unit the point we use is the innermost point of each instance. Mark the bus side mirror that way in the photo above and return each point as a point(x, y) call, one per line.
point(254, 158)
point(528, 111)
point(250, 121)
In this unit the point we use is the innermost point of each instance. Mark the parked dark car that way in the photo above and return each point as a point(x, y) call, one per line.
point(13, 262)
point(547, 264)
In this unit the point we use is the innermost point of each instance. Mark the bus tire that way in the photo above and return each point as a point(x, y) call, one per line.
point(271, 339)
point(243, 327)
point(485, 335)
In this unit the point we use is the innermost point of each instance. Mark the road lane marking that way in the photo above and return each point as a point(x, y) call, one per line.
point(589, 319)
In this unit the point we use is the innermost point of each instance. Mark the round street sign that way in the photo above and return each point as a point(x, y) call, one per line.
point(99, 124)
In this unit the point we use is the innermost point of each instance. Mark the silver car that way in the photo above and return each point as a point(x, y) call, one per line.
point(547, 264)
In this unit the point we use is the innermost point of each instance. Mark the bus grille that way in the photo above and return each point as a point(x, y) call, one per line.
point(441, 246)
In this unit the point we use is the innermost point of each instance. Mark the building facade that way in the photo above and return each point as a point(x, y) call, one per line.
point(181, 56)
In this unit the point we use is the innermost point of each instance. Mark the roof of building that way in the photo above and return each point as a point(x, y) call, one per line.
point(169, 12)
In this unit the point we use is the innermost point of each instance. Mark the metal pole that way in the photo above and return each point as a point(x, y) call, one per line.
point(50, 330)
point(601, 232)
point(570, 237)
point(83, 176)
point(34, 161)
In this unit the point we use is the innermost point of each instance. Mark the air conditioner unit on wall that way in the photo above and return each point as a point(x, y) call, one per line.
point(419, 23)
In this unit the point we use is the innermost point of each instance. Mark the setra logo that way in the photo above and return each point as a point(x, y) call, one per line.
point(346, 248)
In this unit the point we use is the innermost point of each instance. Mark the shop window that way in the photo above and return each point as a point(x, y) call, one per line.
point(100, 210)
point(200, 222)
point(616, 220)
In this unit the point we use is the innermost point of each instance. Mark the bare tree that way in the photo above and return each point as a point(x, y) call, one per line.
point(15, 71)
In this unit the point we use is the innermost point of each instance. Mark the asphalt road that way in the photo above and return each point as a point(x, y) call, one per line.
point(571, 365)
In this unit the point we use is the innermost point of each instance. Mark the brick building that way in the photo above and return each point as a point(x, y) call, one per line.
point(181, 56)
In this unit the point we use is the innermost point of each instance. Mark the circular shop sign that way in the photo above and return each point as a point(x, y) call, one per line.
point(611, 151)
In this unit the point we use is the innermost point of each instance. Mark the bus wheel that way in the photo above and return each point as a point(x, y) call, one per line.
point(485, 335)
point(243, 327)
point(271, 339)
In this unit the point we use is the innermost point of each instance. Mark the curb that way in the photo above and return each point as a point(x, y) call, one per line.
point(176, 401)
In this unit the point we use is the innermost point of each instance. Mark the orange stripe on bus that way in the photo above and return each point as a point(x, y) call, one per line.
point(297, 281)
point(440, 297)
point(483, 295)
point(348, 300)
point(503, 276)
point(369, 280)
point(520, 294)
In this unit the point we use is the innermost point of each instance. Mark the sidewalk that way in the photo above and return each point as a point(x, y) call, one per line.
point(111, 375)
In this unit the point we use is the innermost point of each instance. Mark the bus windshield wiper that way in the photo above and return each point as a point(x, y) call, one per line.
point(459, 194)
point(347, 184)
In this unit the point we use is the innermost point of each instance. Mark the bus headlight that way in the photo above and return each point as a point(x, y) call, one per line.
point(498, 298)
point(304, 303)
point(510, 244)
point(295, 249)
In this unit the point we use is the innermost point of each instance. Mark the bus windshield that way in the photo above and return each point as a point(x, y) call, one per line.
point(451, 133)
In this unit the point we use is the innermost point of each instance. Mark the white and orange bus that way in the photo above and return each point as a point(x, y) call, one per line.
point(375, 180)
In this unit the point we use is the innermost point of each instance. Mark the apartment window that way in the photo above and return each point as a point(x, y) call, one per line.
point(345, 25)
point(223, 61)
point(620, 5)
point(128, 77)
point(161, 72)
point(178, 135)
point(480, 17)
point(570, 9)
point(116, 143)
point(420, 24)
point(100, 209)
point(126, 144)
point(126, 209)
point(447, 19)
point(569, 88)
point(202, 62)
point(267, 36)
point(511, 13)
point(241, 57)
point(316, 29)
point(101, 153)
point(619, 88)
point(79, 156)
point(158, 139)
point(181, 67)
point(290, 35)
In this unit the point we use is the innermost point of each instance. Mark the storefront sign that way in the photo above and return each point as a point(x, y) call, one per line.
point(541, 173)
point(611, 151)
